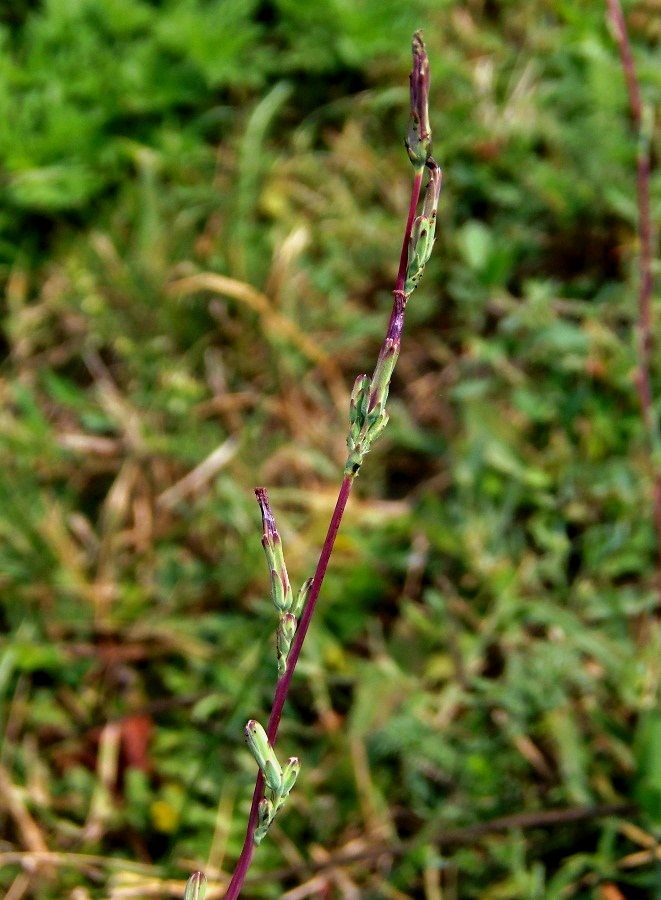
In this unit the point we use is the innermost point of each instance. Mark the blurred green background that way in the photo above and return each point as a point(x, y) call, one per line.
point(485, 644)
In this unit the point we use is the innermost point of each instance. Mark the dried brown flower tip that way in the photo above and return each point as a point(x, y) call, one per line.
point(418, 141)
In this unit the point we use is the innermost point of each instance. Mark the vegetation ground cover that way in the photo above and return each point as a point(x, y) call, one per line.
point(200, 224)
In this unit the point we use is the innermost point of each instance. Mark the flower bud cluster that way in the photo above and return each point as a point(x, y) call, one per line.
point(279, 780)
point(282, 596)
point(367, 411)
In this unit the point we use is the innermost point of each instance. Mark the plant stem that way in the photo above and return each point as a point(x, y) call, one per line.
point(283, 684)
point(645, 280)
point(367, 414)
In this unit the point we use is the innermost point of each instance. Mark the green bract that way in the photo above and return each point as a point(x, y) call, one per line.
point(279, 781)
point(196, 887)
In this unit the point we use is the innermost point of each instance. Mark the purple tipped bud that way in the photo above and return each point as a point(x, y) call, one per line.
point(419, 80)
point(418, 141)
point(196, 887)
point(268, 521)
point(281, 592)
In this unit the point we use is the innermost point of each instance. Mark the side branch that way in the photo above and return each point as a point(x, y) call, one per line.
point(645, 279)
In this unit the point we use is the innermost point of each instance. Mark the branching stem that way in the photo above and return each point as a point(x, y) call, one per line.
point(416, 247)
point(282, 686)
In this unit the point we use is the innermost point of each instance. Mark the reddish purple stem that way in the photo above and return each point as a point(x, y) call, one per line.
point(645, 281)
point(282, 688)
point(418, 143)
point(419, 88)
point(404, 255)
